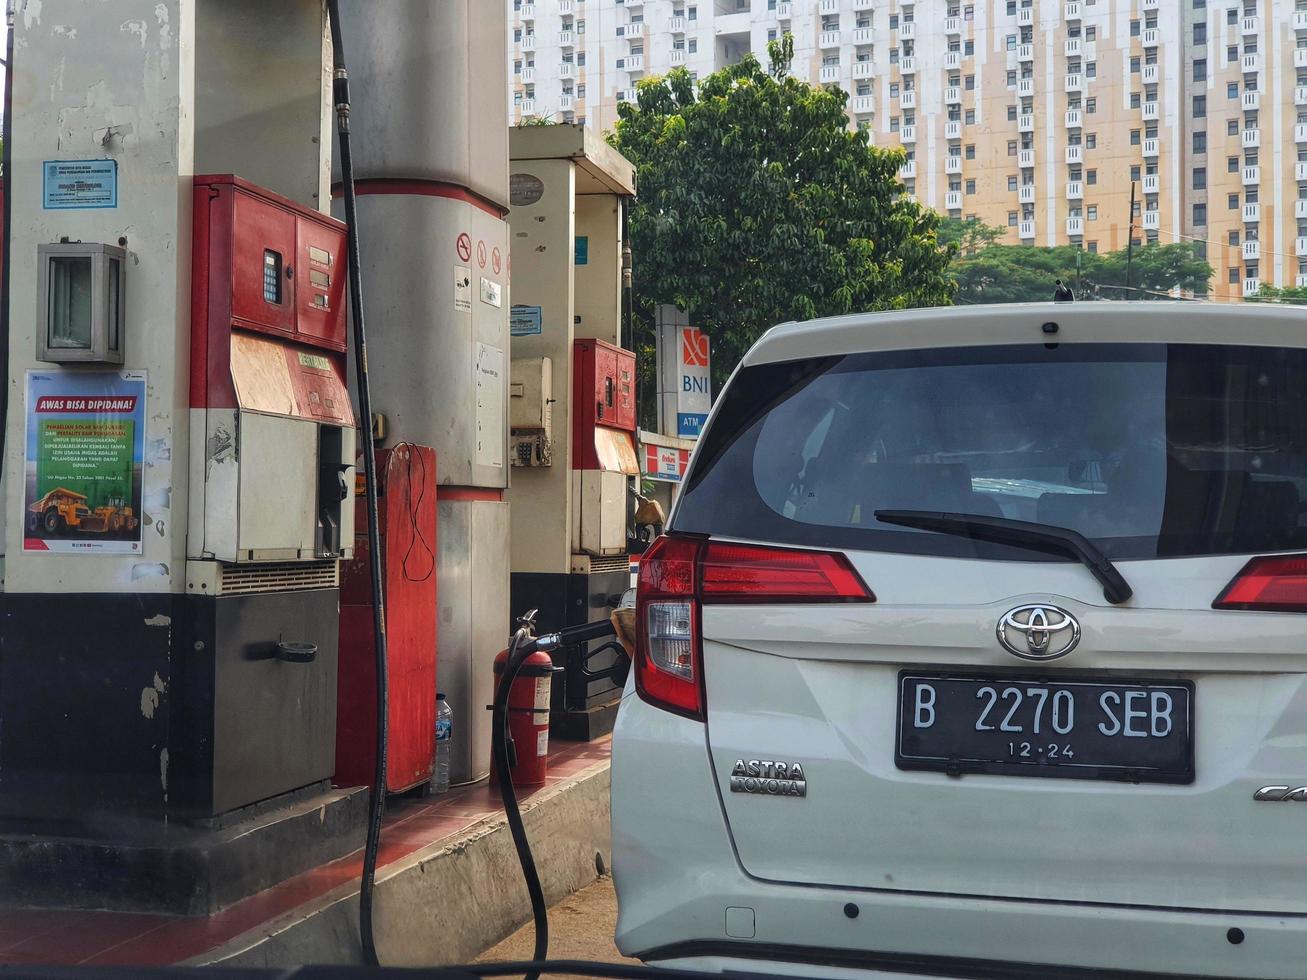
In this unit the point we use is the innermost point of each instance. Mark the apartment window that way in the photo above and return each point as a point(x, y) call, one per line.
point(1011, 42)
point(971, 186)
point(517, 35)
point(1091, 177)
point(1200, 107)
point(893, 22)
point(1134, 173)
point(1091, 141)
point(1011, 8)
point(1134, 28)
point(1011, 183)
point(1200, 178)
point(771, 34)
point(1232, 201)
point(1234, 275)
point(1134, 100)
point(969, 48)
point(1200, 4)
point(968, 13)
point(1232, 238)
point(580, 59)
point(517, 98)
point(1200, 32)
point(1232, 127)
point(1011, 219)
point(1091, 70)
point(1232, 165)
point(894, 124)
point(969, 83)
point(1012, 113)
point(970, 118)
point(1200, 141)
point(1232, 53)
point(1232, 16)
point(1091, 33)
point(1134, 66)
point(971, 151)
point(893, 56)
point(1134, 137)
point(1092, 248)
point(893, 90)
point(1012, 78)
point(1091, 106)
point(1200, 69)
point(1011, 148)
point(1091, 212)
point(580, 91)
point(692, 13)
point(679, 43)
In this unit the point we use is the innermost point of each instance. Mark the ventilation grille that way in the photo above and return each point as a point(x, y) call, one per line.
point(612, 563)
point(285, 576)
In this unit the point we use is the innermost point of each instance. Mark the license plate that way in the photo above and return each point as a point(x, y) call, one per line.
point(1027, 725)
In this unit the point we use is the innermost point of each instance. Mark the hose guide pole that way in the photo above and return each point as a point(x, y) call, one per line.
point(377, 799)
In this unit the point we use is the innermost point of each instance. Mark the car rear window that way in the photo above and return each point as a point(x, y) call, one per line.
point(1149, 450)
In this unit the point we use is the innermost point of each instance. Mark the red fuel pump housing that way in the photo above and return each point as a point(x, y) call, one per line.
point(528, 716)
point(603, 399)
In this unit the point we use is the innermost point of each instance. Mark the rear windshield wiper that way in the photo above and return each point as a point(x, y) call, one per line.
point(1003, 530)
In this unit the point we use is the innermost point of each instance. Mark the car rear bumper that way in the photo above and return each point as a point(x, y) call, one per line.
point(677, 875)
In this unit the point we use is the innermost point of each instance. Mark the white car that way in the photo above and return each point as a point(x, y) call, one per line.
point(976, 641)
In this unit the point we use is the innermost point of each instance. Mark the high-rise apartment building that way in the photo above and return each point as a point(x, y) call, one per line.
point(1037, 115)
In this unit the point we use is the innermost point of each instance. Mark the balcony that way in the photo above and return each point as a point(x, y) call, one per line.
point(528, 107)
point(1075, 153)
point(908, 65)
point(565, 6)
point(953, 95)
point(863, 35)
point(1152, 183)
point(1073, 11)
point(785, 9)
point(634, 62)
point(1300, 20)
point(1251, 101)
point(678, 56)
point(528, 76)
point(1250, 25)
point(1300, 246)
point(1152, 37)
point(1025, 52)
point(864, 105)
point(1151, 147)
point(1150, 4)
point(1300, 171)
point(1300, 95)
point(566, 70)
point(1075, 190)
point(1152, 74)
point(566, 39)
point(952, 26)
point(953, 200)
point(864, 4)
point(528, 42)
point(1252, 175)
point(1251, 63)
point(829, 74)
point(1252, 286)
point(565, 102)
point(908, 135)
point(953, 129)
point(1252, 138)
point(1075, 226)
point(953, 164)
point(1026, 17)
point(908, 98)
point(864, 69)
point(1300, 57)
point(1252, 250)
point(952, 59)
point(676, 25)
point(1026, 230)
point(1025, 159)
point(1026, 194)
point(907, 30)
point(908, 171)
point(829, 39)
point(528, 11)
point(1026, 123)
point(1152, 220)
point(1300, 132)
point(1025, 88)
point(1300, 209)
point(1073, 47)
point(1252, 213)
point(829, 7)
point(1075, 82)
point(1151, 111)
point(1072, 119)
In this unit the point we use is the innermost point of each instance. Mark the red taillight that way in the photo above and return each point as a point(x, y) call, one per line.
point(1276, 584)
point(680, 575)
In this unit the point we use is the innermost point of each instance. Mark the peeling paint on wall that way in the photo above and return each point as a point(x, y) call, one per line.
point(163, 771)
point(31, 13)
point(149, 701)
point(142, 570)
point(165, 29)
point(158, 620)
point(137, 27)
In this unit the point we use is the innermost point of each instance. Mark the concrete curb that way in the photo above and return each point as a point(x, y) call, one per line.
point(447, 903)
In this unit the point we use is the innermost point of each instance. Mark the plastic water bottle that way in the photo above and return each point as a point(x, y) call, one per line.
point(444, 733)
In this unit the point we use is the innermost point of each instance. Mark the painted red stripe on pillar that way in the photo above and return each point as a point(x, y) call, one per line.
point(423, 188)
point(469, 493)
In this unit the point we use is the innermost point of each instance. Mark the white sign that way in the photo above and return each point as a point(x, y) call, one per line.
point(490, 406)
point(490, 292)
point(462, 289)
point(694, 397)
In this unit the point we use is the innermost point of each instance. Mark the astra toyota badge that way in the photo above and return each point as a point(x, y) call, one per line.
point(1038, 632)
point(768, 778)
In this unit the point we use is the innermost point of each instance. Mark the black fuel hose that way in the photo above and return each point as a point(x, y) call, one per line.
point(377, 796)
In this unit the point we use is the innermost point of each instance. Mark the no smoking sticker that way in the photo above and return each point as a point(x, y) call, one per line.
point(481, 254)
point(496, 261)
point(464, 246)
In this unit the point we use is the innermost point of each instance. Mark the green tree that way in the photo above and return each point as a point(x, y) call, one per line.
point(757, 205)
point(969, 235)
point(1153, 269)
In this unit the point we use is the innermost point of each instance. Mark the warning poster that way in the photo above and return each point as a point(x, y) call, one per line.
point(85, 442)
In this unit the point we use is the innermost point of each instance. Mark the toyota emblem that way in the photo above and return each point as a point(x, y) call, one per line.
point(1038, 632)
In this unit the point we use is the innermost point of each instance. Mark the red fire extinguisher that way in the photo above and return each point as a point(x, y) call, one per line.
point(528, 718)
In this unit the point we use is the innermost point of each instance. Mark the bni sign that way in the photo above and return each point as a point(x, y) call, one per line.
point(694, 391)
